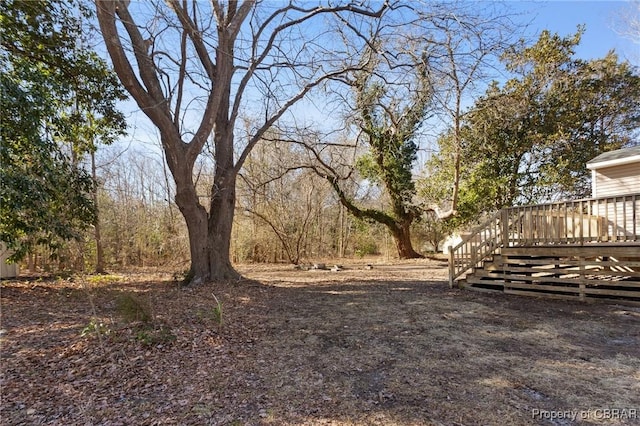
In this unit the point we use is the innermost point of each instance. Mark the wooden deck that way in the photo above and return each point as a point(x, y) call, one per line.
point(582, 250)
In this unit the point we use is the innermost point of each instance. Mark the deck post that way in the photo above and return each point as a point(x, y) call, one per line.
point(452, 267)
point(583, 278)
point(505, 227)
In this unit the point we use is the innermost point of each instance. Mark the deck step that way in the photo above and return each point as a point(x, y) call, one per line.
point(488, 284)
point(559, 276)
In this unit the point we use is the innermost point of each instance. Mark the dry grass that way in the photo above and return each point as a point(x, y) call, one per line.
point(391, 345)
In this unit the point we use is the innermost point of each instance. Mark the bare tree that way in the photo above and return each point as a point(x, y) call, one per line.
point(464, 46)
point(192, 67)
point(420, 73)
point(136, 223)
point(627, 21)
point(390, 103)
point(281, 196)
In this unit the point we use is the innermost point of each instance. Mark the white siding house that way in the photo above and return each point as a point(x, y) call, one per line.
point(615, 173)
point(7, 270)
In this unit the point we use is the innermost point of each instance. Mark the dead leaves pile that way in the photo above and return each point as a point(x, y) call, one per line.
point(300, 347)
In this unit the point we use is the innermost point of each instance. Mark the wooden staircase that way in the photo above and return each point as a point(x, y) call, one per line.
point(582, 250)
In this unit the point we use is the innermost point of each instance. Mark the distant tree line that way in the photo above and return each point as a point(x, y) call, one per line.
point(245, 171)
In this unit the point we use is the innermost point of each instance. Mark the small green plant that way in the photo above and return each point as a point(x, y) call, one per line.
point(150, 336)
point(217, 311)
point(95, 326)
point(213, 314)
point(133, 309)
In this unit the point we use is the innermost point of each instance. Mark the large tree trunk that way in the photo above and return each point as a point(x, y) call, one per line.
point(196, 219)
point(223, 191)
point(223, 200)
point(402, 237)
point(209, 234)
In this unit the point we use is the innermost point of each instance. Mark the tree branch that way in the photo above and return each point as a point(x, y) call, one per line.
point(309, 13)
point(151, 106)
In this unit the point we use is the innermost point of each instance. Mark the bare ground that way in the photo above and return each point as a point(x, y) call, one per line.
point(391, 345)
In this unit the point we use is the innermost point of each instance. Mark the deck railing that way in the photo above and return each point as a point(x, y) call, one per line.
point(596, 220)
point(480, 243)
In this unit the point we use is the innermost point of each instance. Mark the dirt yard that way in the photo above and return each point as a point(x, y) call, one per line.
point(392, 345)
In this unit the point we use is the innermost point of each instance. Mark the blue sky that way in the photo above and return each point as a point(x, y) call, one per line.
point(563, 17)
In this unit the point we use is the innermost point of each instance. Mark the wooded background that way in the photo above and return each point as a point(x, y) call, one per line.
point(425, 118)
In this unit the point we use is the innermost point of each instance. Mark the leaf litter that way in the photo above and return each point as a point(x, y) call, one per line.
point(382, 345)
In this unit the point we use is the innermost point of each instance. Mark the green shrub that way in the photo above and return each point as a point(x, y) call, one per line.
point(103, 279)
point(365, 248)
point(95, 326)
point(133, 309)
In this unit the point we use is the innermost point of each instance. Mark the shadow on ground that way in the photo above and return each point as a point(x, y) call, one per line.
point(340, 350)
